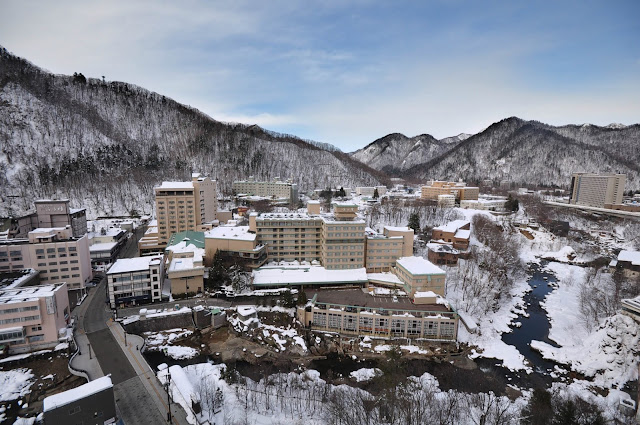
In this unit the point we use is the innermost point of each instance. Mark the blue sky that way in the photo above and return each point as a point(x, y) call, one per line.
point(349, 72)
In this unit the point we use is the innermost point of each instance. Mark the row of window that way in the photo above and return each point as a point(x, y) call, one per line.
point(19, 309)
point(428, 328)
point(19, 319)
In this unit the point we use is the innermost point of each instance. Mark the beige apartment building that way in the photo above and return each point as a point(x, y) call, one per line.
point(337, 240)
point(456, 233)
point(343, 238)
point(596, 190)
point(137, 280)
point(382, 250)
point(460, 190)
point(34, 317)
point(182, 206)
point(55, 253)
point(289, 236)
point(354, 312)
point(236, 242)
point(275, 189)
point(420, 275)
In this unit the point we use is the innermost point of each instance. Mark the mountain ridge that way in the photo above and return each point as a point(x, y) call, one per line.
point(104, 145)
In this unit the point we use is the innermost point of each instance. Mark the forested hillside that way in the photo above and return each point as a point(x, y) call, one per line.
point(106, 144)
point(530, 152)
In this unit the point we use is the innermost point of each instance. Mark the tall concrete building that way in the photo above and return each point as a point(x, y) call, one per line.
point(50, 213)
point(339, 240)
point(55, 253)
point(182, 206)
point(460, 190)
point(596, 190)
point(276, 189)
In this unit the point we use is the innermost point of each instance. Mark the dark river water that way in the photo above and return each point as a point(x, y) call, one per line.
point(536, 326)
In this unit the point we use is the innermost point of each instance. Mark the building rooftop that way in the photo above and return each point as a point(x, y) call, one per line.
point(419, 266)
point(452, 226)
point(240, 233)
point(135, 264)
point(631, 256)
point(190, 236)
point(180, 264)
point(397, 228)
point(441, 247)
point(78, 393)
point(311, 275)
point(28, 293)
point(106, 246)
point(14, 279)
point(175, 186)
point(358, 298)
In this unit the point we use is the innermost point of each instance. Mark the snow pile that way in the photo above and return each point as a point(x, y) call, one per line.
point(365, 374)
point(565, 255)
point(179, 352)
point(15, 384)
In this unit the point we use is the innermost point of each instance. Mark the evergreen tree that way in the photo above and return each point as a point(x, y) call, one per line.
point(287, 300)
point(512, 204)
point(218, 274)
point(414, 222)
point(302, 298)
point(539, 410)
point(375, 193)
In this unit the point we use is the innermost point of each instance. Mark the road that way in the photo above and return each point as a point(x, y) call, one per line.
point(134, 402)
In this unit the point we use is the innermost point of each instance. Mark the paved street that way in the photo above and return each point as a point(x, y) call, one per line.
point(139, 396)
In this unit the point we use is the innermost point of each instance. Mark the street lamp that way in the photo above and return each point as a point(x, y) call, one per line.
point(89, 344)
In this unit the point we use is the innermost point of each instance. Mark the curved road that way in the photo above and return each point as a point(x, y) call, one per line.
point(134, 401)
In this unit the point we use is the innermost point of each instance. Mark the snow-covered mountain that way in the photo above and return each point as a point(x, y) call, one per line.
point(530, 152)
point(104, 145)
point(396, 152)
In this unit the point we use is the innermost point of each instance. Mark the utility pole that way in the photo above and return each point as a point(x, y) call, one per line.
point(89, 344)
point(168, 395)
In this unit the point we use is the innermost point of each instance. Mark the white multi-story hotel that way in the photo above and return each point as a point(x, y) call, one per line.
point(135, 280)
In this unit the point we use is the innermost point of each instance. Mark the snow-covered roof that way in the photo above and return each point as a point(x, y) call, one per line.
point(182, 264)
point(309, 276)
point(452, 226)
point(419, 266)
point(28, 293)
point(135, 264)
point(106, 246)
point(441, 247)
point(425, 294)
point(385, 277)
point(630, 256)
point(78, 393)
point(397, 228)
point(176, 185)
point(463, 234)
point(233, 233)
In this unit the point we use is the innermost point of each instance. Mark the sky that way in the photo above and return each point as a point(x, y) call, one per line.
point(349, 72)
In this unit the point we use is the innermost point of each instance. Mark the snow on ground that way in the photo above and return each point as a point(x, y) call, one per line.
point(563, 305)
point(609, 355)
point(304, 398)
point(284, 338)
point(15, 384)
point(365, 374)
point(490, 328)
point(163, 341)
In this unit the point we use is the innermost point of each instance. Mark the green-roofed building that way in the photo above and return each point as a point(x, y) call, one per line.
point(190, 236)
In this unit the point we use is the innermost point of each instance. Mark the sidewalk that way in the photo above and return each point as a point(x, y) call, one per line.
point(146, 374)
point(84, 360)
